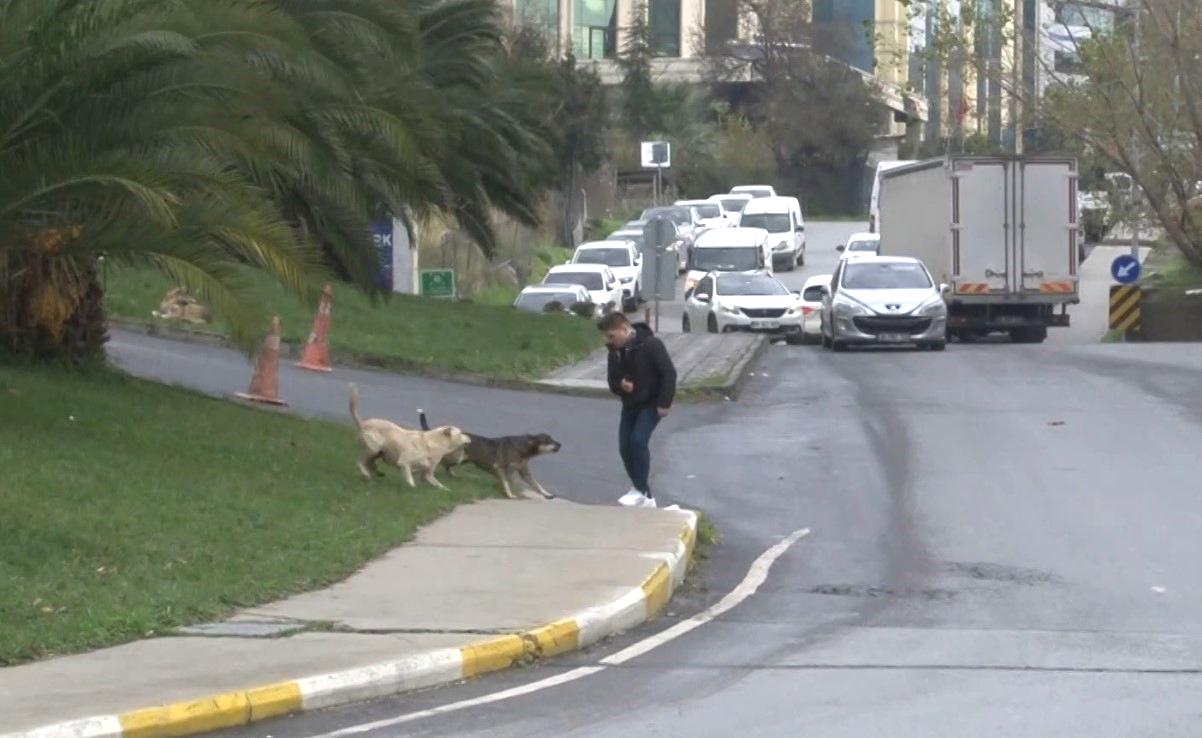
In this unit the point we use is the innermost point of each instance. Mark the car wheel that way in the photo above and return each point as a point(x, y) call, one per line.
point(712, 324)
point(795, 339)
point(801, 258)
point(685, 325)
point(826, 342)
point(941, 346)
point(838, 346)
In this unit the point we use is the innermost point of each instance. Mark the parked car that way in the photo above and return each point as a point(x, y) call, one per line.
point(624, 261)
point(732, 205)
point(685, 219)
point(755, 191)
point(811, 306)
point(678, 246)
point(757, 302)
point(709, 213)
point(728, 250)
point(883, 300)
point(603, 286)
point(860, 243)
point(633, 235)
point(786, 231)
point(536, 297)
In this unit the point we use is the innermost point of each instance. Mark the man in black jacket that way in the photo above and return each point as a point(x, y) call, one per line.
point(642, 374)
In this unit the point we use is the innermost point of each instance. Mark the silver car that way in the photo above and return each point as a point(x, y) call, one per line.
point(883, 300)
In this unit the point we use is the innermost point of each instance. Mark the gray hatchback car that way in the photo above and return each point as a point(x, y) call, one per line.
point(883, 300)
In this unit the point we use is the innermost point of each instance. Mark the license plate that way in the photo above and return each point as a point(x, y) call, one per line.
point(765, 324)
point(893, 337)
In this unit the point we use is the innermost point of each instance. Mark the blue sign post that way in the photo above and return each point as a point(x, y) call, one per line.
point(1125, 269)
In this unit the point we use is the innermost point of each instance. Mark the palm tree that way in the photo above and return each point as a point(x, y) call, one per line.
point(200, 137)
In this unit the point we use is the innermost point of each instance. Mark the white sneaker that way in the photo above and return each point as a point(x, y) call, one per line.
point(633, 498)
point(648, 502)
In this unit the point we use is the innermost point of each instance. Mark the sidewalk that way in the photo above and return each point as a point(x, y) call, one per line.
point(490, 585)
point(705, 362)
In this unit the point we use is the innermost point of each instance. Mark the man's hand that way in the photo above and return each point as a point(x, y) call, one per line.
point(663, 411)
point(627, 386)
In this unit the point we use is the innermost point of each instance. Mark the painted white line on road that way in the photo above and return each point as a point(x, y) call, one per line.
point(756, 576)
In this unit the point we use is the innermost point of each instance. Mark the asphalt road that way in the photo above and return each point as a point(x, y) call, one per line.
point(1004, 543)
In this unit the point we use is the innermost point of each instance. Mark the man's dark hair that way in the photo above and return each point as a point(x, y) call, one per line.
point(612, 320)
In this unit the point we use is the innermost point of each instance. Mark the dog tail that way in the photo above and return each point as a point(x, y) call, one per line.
point(421, 416)
point(355, 405)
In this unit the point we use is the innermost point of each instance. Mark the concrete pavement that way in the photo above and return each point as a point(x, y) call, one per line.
point(490, 585)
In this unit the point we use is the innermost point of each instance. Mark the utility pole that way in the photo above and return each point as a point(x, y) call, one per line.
point(1016, 80)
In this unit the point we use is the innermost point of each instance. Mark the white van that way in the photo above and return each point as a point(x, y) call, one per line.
point(781, 217)
point(874, 200)
point(728, 250)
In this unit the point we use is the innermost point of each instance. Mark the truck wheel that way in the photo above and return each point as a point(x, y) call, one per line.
point(712, 324)
point(1029, 334)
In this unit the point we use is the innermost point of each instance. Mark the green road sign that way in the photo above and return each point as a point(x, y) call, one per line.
point(438, 283)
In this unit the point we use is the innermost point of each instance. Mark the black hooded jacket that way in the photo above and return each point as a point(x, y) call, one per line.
point(644, 361)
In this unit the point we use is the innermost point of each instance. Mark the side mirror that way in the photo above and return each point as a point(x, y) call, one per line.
point(840, 247)
point(701, 298)
point(945, 289)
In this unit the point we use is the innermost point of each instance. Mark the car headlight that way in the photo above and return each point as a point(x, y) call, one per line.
point(728, 309)
point(780, 246)
point(848, 308)
point(933, 306)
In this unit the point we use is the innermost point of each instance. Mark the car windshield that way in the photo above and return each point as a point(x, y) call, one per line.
point(590, 280)
point(887, 275)
point(679, 216)
point(749, 284)
point(726, 258)
point(864, 245)
point(812, 294)
point(537, 302)
point(708, 210)
point(734, 204)
point(771, 222)
point(608, 257)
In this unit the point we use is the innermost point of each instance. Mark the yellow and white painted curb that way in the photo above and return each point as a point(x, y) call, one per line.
point(429, 669)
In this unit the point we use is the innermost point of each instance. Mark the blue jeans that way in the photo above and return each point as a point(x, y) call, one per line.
point(634, 444)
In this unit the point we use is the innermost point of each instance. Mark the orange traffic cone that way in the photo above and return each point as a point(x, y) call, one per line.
point(265, 384)
point(317, 350)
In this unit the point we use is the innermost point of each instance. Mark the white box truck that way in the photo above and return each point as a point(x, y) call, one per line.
point(1000, 232)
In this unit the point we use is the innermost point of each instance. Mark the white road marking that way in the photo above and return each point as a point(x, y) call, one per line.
point(755, 577)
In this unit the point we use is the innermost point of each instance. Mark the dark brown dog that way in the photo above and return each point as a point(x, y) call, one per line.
point(502, 456)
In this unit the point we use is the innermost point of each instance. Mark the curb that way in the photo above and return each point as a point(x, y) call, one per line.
point(368, 362)
point(432, 668)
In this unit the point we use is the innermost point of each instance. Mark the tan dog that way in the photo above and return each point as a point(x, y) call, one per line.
point(403, 448)
point(177, 304)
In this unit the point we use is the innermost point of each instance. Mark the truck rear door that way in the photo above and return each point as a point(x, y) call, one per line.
point(1046, 247)
point(981, 210)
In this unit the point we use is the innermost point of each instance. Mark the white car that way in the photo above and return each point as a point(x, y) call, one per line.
point(781, 217)
point(884, 300)
point(710, 213)
point(756, 191)
point(811, 306)
point(756, 302)
point(603, 286)
point(536, 297)
point(860, 244)
point(731, 205)
point(623, 259)
point(728, 250)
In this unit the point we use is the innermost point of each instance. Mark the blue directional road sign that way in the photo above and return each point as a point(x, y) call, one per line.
point(1125, 269)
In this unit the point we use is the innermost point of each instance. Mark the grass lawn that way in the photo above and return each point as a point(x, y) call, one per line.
point(130, 508)
point(1172, 269)
point(408, 333)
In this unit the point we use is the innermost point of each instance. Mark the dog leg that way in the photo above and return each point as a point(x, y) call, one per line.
point(408, 474)
point(503, 475)
point(524, 471)
point(367, 465)
point(432, 479)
